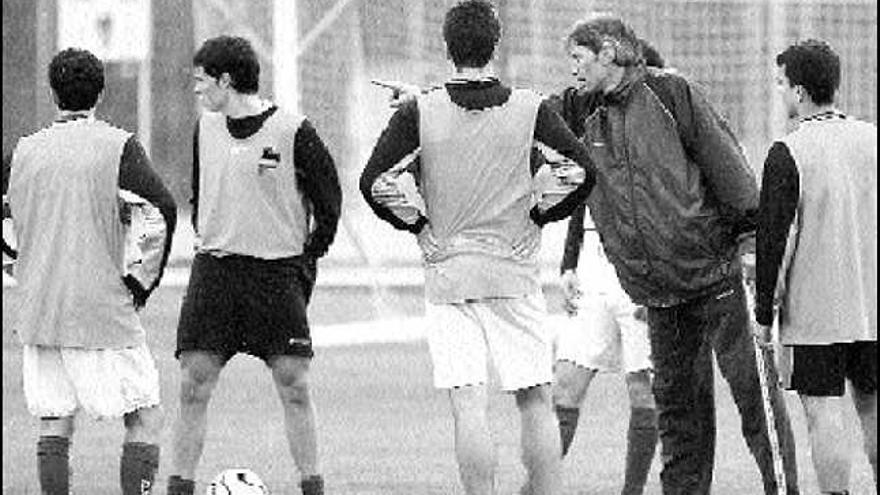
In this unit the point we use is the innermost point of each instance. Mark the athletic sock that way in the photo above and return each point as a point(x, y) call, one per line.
point(568, 422)
point(313, 485)
point(137, 468)
point(53, 465)
point(180, 486)
point(641, 443)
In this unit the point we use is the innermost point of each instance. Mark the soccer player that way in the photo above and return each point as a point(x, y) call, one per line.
point(609, 334)
point(674, 199)
point(817, 243)
point(84, 347)
point(266, 203)
point(480, 234)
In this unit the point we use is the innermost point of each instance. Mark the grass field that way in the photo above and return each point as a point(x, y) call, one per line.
point(383, 428)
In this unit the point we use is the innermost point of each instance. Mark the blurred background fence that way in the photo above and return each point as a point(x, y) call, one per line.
point(319, 55)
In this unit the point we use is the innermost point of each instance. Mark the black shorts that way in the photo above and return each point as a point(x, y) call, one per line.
point(822, 370)
point(242, 304)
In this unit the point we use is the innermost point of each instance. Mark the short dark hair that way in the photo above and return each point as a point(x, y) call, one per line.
point(77, 79)
point(593, 32)
point(471, 31)
point(232, 55)
point(814, 65)
point(651, 56)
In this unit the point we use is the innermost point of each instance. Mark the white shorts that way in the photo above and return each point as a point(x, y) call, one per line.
point(105, 383)
point(511, 335)
point(604, 335)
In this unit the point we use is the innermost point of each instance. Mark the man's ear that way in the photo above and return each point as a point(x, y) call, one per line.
point(224, 81)
point(607, 53)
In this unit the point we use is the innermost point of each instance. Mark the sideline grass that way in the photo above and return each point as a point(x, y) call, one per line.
point(383, 428)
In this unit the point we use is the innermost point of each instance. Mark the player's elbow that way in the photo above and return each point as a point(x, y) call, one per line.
point(366, 186)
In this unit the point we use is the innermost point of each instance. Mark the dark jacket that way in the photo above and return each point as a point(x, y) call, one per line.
point(674, 190)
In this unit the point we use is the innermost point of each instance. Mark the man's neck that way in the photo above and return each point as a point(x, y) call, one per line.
point(473, 73)
point(73, 114)
point(245, 105)
point(807, 109)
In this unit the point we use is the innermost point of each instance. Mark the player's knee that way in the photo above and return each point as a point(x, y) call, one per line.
point(865, 403)
point(564, 396)
point(673, 391)
point(197, 384)
point(823, 415)
point(147, 421)
point(296, 394)
point(291, 380)
point(571, 382)
point(538, 396)
point(293, 386)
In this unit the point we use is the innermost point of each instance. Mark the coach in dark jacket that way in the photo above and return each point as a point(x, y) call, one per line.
point(674, 198)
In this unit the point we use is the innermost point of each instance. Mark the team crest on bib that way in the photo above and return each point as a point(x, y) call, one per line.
point(269, 159)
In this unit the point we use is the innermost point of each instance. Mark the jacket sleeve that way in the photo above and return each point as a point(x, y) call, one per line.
point(399, 139)
point(711, 144)
point(320, 185)
point(574, 239)
point(551, 131)
point(574, 106)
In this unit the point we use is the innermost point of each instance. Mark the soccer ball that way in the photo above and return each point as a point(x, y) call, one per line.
point(237, 482)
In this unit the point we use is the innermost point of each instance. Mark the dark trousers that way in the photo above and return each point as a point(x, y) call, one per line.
point(682, 340)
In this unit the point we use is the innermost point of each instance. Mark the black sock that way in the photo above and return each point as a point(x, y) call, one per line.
point(180, 486)
point(137, 468)
point(53, 465)
point(641, 442)
point(313, 485)
point(568, 422)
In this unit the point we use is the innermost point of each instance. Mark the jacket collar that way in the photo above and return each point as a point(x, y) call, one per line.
point(620, 94)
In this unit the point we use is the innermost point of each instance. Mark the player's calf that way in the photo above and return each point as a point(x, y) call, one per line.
point(291, 376)
point(541, 452)
point(642, 435)
point(53, 454)
point(53, 465)
point(866, 408)
point(474, 450)
point(569, 392)
point(140, 452)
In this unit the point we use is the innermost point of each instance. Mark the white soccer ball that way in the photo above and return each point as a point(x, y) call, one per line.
point(237, 482)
